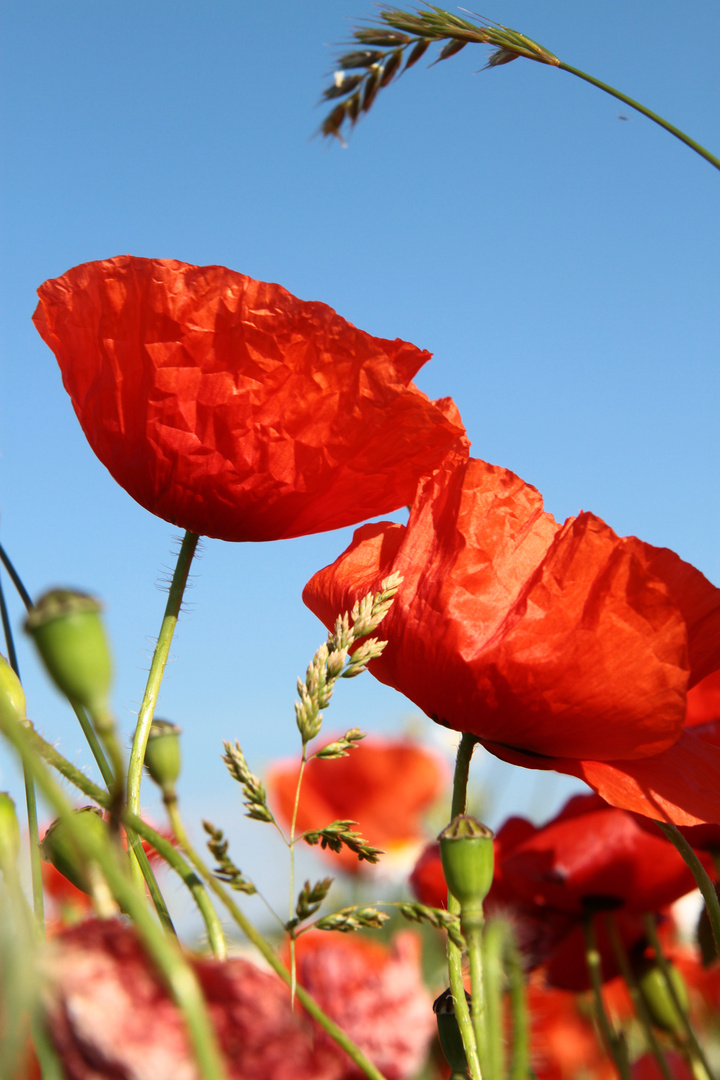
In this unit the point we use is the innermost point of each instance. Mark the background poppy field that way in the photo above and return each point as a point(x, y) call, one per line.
point(556, 252)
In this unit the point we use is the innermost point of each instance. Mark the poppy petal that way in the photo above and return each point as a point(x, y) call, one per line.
point(231, 408)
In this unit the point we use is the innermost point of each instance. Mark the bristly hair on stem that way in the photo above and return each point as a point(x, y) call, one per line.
point(385, 49)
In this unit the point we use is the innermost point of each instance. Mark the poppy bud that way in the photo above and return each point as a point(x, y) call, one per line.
point(58, 847)
point(162, 755)
point(71, 640)
point(661, 1002)
point(9, 833)
point(12, 695)
point(449, 1032)
point(466, 851)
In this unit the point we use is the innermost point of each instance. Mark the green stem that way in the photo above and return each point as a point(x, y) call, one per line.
point(520, 1054)
point(492, 975)
point(174, 969)
point(15, 578)
point(474, 939)
point(291, 906)
point(175, 860)
point(157, 668)
point(614, 1044)
point(645, 112)
point(462, 1012)
point(692, 1048)
point(704, 883)
point(94, 744)
point(216, 936)
point(638, 1001)
point(30, 799)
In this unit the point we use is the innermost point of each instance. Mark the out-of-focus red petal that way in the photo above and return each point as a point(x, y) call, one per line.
point(231, 408)
point(703, 701)
point(376, 994)
point(385, 785)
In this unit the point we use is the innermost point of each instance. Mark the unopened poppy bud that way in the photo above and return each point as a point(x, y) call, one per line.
point(449, 1032)
point(466, 852)
point(9, 833)
point(661, 1002)
point(12, 695)
point(162, 755)
point(58, 847)
point(71, 640)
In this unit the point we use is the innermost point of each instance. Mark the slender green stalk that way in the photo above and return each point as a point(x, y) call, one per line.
point(30, 799)
point(645, 112)
point(638, 1001)
point(459, 802)
point(704, 883)
point(216, 935)
point(614, 1044)
point(174, 969)
point(692, 1047)
point(157, 668)
point(493, 979)
point(291, 845)
point(520, 1051)
point(94, 743)
point(15, 578)
point(175, 860)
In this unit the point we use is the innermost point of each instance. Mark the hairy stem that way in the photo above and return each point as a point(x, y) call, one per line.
point(213, 924)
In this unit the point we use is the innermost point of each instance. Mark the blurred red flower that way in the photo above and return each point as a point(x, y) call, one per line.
point(375, 994)
point(590, 858)
point(385, 785)
point(231, 408)
point(109, 1013)
point(560, 646)
point(563, 1040)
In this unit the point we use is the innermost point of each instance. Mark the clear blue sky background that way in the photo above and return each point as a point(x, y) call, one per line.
point(560, 262)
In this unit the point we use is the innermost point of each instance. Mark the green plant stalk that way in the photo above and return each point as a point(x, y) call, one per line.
point(492, 974)
point(614, 1045)
point(174, 969)
point(157, 668)
point(638, 1001)
point(520, 1054)
point(30, 799)
point(216, 935)
point(175, 860)
point(691, 1047)
point(15, 578)
point(462, 1012)
point(645, 112)
point(704, 883)
point(291, 845)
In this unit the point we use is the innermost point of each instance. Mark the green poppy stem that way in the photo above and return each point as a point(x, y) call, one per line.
point(216, 935)
point(704, 883)
point(30, 799)
point(462, 1012)
point(641, 1010)
point(614, 1043)
point(691, 1047)
point(645, 112)
point(157, 668)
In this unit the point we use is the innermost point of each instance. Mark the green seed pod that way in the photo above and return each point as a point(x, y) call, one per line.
point(71, 640)
point(57, 846)
point(9, 833)
point(659, 1000)
point(466, 852)
point(162, 755)
point(449, 1032)
point(12, 695)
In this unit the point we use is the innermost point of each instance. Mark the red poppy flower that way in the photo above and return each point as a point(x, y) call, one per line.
point(109, 1013)
point(231, 408)
point(563, 1040)
point(560, 646)
point(375, 994)
point(590, 858)
point(385, 785)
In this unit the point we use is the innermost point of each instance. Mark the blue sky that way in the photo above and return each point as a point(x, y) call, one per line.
point(559, 261)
